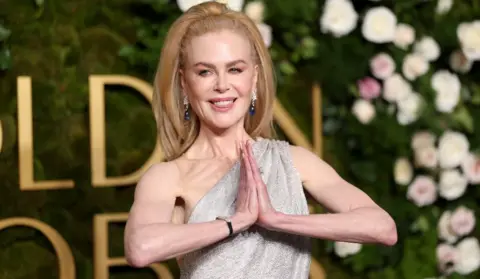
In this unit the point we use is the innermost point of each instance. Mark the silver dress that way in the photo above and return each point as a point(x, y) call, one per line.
point(255, 253)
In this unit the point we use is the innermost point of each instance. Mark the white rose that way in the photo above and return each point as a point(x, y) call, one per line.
point(396, 88)
point(469, 37)
point(462, 221)
point(404, 36)
point(452, 184)
point(339, 17)
point(459, 62)
point(426, 157)
point(428, 48)
point(444, 229)
point(344, 249)
point(363, 110)
point(403, 171)
point(422, 191)
point(255, 11)
point(414, 65)
point(266, 32)
point(409, 109)
point(471, 168)
point(443, 6)
point(379, 25)
point(452, 149)
point(447, 87)
point(468, 256)
point(184, 5)
point(423, 139)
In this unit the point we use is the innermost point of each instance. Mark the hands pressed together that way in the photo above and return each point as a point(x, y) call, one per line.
point(253, 204)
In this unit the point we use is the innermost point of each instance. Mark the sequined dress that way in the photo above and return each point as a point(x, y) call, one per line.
point(255, 253)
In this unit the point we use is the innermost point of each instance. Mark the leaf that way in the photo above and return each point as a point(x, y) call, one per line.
point(421, 224)
point(462, 116)
point(4, 33)
point(475, 99)
point(287, 68)
point(39, 3)
point(5, 59)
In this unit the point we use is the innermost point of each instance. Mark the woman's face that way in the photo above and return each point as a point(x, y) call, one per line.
point(219, 77)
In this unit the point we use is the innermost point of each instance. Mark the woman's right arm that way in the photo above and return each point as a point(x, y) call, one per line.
point(150, 236)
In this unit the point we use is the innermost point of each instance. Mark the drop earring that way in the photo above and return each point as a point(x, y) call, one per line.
point(252, 105)
point(185, 105)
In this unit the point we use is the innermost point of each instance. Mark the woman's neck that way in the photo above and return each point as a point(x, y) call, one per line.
point(215, 144)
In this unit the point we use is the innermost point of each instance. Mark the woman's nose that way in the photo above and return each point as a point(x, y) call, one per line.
point(222, 84)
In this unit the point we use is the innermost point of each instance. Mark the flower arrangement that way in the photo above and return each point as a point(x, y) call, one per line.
point(435, 103)
point(401, 103)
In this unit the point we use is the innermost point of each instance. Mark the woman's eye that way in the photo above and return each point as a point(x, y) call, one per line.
point(235, 70)
point(203, 72)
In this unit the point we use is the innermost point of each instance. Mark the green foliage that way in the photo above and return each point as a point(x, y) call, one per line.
point(59, 44)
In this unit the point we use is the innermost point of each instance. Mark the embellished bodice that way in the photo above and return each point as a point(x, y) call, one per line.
point(257, 252)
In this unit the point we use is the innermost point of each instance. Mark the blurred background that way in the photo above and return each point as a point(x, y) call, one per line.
point(387, 92)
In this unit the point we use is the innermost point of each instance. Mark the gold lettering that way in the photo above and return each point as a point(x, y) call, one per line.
point(102, 261)
point(66, 263)
point(25, 142)
point(316, 270)
point(1, 136)
point(317, 120)
point(291, 129)
point(97, 130)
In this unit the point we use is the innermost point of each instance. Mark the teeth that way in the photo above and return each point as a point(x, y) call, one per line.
point(223, 103)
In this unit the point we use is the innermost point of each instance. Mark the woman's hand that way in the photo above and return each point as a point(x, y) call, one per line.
point(247, 202)
point(266, 213)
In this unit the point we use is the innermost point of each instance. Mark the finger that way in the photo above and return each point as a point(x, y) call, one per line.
point(248, 167)
point(253, 164)
point(242, 165)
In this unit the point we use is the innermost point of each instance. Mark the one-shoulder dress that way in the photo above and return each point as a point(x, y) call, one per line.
point(256, 253)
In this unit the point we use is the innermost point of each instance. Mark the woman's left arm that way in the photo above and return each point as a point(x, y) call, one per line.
point(355, 216)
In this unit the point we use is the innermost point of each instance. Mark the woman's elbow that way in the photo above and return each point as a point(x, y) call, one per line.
point(136, 252)
point(135, 255)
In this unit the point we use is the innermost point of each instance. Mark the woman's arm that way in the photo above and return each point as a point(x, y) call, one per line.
point(150, 234)
point(355, 216)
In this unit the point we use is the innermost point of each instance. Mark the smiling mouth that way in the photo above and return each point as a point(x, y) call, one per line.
point(223, 103)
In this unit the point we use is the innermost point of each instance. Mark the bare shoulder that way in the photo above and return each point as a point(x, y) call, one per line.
point(310, 166)
point(160, 180)
point(155, 196)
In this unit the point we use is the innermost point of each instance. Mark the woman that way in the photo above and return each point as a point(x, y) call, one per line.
point(229, 202)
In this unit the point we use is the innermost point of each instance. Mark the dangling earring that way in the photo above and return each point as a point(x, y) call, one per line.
point(185, 105)
point(252, 105)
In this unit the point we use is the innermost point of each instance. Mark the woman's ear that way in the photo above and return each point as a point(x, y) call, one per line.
point(255, 76)
point(181, 76)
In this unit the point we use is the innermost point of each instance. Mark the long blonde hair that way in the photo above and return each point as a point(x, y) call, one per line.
point(175, 134)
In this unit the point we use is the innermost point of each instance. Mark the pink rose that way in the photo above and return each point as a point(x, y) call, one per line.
point(369, 88)
point(422, 191)
point(462, 221)
point(382, 66)
point(447, 256)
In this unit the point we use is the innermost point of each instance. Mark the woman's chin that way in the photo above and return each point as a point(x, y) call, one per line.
point(225, 122)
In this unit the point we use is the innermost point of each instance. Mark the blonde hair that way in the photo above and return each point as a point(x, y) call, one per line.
point(177, 135)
